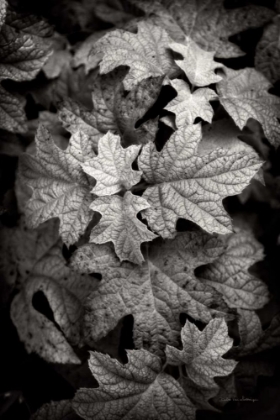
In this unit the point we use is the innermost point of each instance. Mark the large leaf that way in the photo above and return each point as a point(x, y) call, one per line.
point(210, 25)
point(197, 64)
point(52, 337)
point(189, 182)
point(187, 106)
point(145, 53)
point(23, 52)
point(229, 274)
point(136, 391)
point(60, 187)
point(202, 352)
point(267, 56)
point(155, 293)
point(112, 167)
point(244, 94)
point(119, 224)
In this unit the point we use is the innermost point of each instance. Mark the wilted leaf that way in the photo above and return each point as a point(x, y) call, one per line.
point(112, 167)
point(119, 224)
point(60, 188)
point(56, 410)
point(229, 274)
point(145, 53)
point(267, 56)
point(188, 183)
point(65, 292)
point(198, 65)
point(155, 293)
point(202, 352)
point(210, 25)
point(136, 391)
point(244, 94)
point(187, 106)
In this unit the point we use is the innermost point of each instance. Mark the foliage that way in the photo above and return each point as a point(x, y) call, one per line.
point(129, 240)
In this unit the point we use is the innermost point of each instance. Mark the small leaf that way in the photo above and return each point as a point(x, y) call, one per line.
point(244, 94)
point(197, 64)
point(137, 390)
point(120, 225)
point(112, 167)
point(145, 53)
point(60, 188)
point(188, 106)
point(202, 352)
point(229, 274)
point(188, 182)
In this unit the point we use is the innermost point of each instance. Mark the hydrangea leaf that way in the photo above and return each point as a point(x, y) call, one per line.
point(210, 25)
point(21, 249)
point(198, 65)
point(229, 274)
point(250, 331)
point(23, 52)
point(188, 182)
point(270, 337)
point(83, 54)
point(56, 410)
point(65, 292)
point(112, 167)
point(244, 94)
point(60, 187)
point(202, 352)
point(155, 293)
point(199, 396)
point(187, 106)
point(267, 56)
point(77, 119)
point(145, 53)
point(113, 108)
point(137, 390)
point(119, 224)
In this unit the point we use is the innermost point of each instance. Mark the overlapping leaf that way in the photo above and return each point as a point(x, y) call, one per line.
point(202, 352)
point(210, 25)
point(198, 65)
point(119, 224)
point(65, 292)
point(229, 274)
point(23, 52)
point(145, 53)
point(155, 293)
point(60, 187)
point(56, 410)
point(136, 391)
point(244, 94)
point(112, 167)
point(189, 182)
point(187, 106)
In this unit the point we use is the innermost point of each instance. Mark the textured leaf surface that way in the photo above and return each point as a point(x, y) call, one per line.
point(250, 331)
point(155, 293)
point(267, 56)
point(243, 93)
point(112, 167)
point(188, 182)
point(188, 106)
point(229, 274)
point(210, 25)
point(57, 410)
point(65, 292)
point(136, 391)
point(60, 188)
point(145, 53)
point(12, 115)
point(202, 352)
point(198, 65)
point(119, 224)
